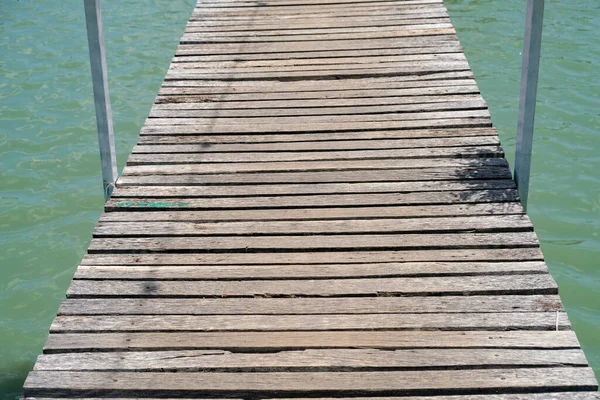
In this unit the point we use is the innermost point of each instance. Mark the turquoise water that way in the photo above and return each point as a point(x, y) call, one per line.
point(51, 193)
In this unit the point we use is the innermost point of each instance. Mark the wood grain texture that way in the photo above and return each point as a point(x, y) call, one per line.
point(275, 306)
point(324, 322)
point(308, 360)
point(269, 341)
point(459, 210)
point(306, 271)
point(436, 286)
point(346, 257)
point(40, 383)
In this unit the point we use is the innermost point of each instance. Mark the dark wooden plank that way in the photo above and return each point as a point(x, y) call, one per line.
point(318, 119)
point(443, 138)
point(347, 99)
point(458, 103)
point(364, 87)
point(269, 341)
point(237, 157)
point(314, 242)
point(406, 169)
point(309, 360)
point(41, 383)
point(258, 306)
point(330, 322)
point(271, 127)
point(143, 189)
point(284, 31)
point(413, 31)
point(283, 258)
point(528, 396)
point(339, 200)
point(505, 223)
point(458, 210)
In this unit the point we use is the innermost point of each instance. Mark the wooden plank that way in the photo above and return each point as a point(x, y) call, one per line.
point(445, 136)
point(324, 119)
point(448, 168)
point(127, 189)
point(505, 223)
point(314, 242)
point(208, 147)
point(258, 88)
point(307, 271)
point(332, 200)
point(241, 157)
point(230, 128)
point(308, 360)
point(40, 383)
point(283, 30)
point(309, 56)
point(414, 31)
point(527, 396)
point(269, 341)
point(226, 3)
point(459, 103)
point(340, 98)
point(318, 213)
point(265, 14)
point(330, 322)
point(374, 305)
point(348, 257)
point(321, 74)
point(281, 47)
point(347, 99)
point(436, 286)
point(303, 7)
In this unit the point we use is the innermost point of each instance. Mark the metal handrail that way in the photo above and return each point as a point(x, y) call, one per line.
point(106, 139)
point(529, 80)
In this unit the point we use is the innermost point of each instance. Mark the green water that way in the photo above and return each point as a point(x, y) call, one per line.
point(51, 193)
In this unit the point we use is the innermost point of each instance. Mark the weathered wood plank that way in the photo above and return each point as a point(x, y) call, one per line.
point(460, 104)
point(314, 242)
point(528, 396)
point(284, 31)
point(283, 258)
point(133, 187)
point(330, 322)
point(265, 341)
point(337, 145)
point(240, 157)
point(437, 286)
point(448, 168)
point(332, 200)
point(374, 305)
point(334, 45)
point(307, 271)
point(441, 137)
point(458, 210)
point(505, 223)
point(319, 127)
point(309, 360)
point(348, 99)
point(321, 74)
point(40, 383)
point(322, 119)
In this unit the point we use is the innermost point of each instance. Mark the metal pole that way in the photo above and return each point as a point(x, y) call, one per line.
point(529, 81)
point(106, 140)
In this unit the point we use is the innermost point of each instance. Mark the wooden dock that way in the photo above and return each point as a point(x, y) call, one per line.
point(318, 207)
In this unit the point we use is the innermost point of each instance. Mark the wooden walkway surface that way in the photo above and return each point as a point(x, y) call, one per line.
point(318, 206)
